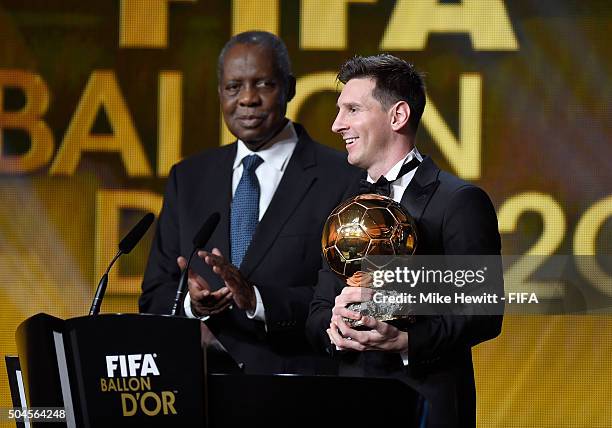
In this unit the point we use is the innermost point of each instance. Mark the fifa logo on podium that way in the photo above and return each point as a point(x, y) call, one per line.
point(130, 377)
point(132, 365)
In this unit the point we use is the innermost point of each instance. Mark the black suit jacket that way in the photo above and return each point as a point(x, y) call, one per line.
point(283, 258)
point(453, 217)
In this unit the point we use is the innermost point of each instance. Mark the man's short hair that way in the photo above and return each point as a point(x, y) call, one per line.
point(266, 40)
point(396, 80)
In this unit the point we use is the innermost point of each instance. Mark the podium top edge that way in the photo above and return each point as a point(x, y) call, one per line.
point(44, 317)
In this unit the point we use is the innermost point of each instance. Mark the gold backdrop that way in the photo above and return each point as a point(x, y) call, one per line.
point(99, 98)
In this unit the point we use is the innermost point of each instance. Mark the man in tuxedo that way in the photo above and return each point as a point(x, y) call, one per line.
point(273, 188)
point(379, 110)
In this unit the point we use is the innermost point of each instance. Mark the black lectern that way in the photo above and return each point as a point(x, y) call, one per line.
point(149, 371)
point(111, 370)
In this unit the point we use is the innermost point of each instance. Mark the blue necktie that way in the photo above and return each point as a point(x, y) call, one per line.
point(245, 209)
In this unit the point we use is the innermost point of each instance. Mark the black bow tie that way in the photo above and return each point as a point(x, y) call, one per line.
point(383, 186)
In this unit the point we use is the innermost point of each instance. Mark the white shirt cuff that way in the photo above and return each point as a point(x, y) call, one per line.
point(187, 307)
point(259, 314)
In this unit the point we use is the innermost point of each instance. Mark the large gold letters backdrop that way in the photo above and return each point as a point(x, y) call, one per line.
point(99, 98)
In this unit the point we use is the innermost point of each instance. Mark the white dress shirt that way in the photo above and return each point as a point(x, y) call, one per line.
point(398, 187)
point(275, 155)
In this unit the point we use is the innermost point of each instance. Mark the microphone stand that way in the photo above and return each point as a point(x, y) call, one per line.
point(182, 285)
point(97, 301)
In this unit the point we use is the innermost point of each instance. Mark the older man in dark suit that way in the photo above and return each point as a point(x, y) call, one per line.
point(273, 188)
point(379, 111)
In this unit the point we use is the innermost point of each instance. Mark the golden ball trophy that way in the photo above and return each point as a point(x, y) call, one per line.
point(356, 233)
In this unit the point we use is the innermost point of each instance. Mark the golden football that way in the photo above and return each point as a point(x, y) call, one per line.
point(366, 225)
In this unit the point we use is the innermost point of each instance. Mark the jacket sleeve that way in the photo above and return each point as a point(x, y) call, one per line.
point(469, 227)
point(319, 317)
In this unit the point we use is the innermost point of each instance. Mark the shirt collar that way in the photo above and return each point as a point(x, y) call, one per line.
point(277, 151)
point(391, 175)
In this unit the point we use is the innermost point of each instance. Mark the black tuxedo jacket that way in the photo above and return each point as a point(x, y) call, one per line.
point(283, 259)
point(453, 217)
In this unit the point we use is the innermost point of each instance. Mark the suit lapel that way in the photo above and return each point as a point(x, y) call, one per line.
point(221, 202)
point(421, 188)
point(297, 180)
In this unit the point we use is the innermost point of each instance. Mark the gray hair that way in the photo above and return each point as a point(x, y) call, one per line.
point(266, 40)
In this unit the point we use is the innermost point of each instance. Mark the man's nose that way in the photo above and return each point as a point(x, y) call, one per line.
point(339, 125)
point(249, 96)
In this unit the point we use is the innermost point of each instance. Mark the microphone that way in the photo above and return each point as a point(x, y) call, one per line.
point(200, 239)
point(128, 243)
point(125, 246)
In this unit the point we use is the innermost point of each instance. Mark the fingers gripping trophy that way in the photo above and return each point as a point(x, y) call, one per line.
point(364, 234)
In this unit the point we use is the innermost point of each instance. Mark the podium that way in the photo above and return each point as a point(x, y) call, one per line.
point(145, 370)
point(137, 370)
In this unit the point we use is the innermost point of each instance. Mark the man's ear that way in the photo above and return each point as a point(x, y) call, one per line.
point(290, 88)
point(400, 113)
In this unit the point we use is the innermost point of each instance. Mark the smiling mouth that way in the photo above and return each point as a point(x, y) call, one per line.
point(351, 140)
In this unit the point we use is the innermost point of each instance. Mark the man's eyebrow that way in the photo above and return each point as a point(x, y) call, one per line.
point(348, 104)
